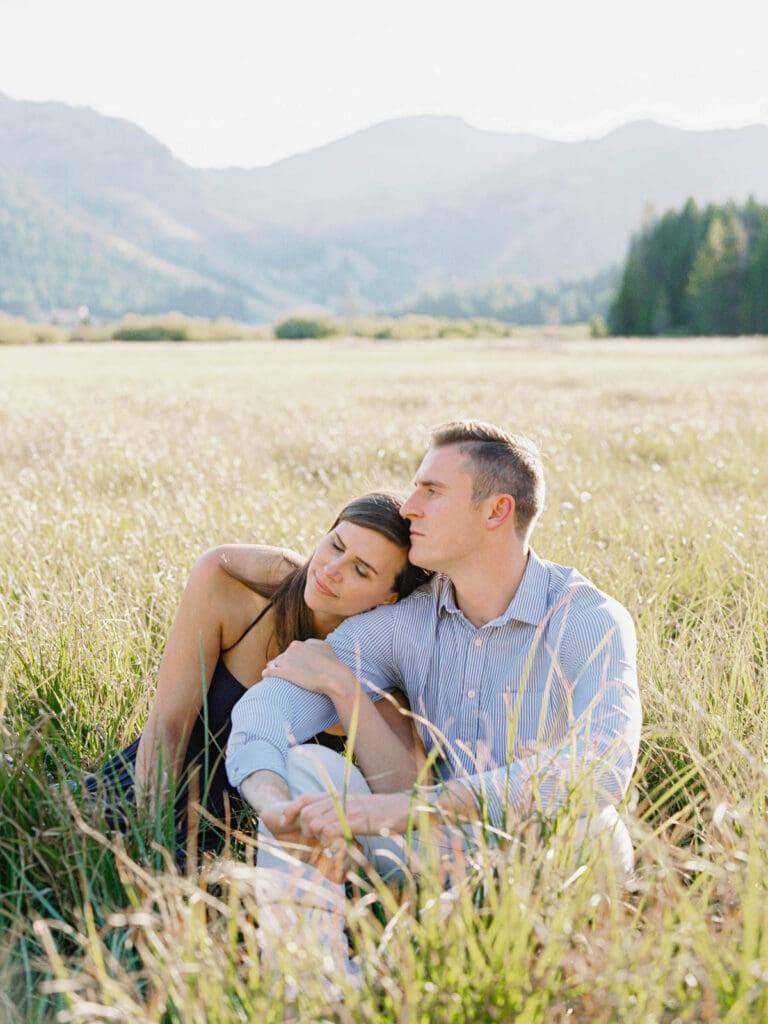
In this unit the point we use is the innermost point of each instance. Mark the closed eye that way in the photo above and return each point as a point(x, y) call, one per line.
point(363, 569)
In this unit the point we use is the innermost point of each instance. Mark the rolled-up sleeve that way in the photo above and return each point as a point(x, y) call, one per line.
point(275, 714)
point(271, 717)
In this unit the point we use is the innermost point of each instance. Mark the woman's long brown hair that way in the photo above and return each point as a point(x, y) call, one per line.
point(379, 511)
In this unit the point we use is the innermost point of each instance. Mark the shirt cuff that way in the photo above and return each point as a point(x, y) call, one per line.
point(256, 756)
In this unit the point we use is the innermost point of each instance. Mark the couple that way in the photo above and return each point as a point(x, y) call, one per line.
point(519, 673)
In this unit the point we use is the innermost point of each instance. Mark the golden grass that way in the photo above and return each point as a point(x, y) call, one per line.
point(121, 463)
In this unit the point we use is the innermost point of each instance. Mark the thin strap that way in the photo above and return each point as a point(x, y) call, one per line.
point(258, 618)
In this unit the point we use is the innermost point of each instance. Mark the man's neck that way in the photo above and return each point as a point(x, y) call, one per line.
point(483, 591)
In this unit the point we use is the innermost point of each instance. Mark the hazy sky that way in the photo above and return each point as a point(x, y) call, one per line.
point(249, 81)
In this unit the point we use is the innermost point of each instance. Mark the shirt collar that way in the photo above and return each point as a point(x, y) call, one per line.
point(529, 605)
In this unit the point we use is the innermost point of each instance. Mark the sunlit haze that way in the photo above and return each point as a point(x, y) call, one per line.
point(243, 82)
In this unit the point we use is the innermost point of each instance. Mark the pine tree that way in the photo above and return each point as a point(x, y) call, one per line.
point(716, 282)
point(696, 271)
point(755, 309)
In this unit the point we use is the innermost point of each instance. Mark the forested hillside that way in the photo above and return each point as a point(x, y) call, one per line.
point(697, 271)
point(517, 301)
point(94, 212)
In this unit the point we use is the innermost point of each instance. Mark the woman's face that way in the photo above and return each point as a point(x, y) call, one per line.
point(352, 570)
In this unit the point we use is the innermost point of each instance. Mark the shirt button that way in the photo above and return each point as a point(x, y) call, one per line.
point(478, 641)
point(470, 694)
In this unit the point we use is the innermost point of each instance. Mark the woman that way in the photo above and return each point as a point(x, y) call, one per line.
point(225, 632)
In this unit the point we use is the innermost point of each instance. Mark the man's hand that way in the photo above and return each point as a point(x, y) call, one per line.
point(313, 665)
point(270, 797)
point(325, 817)
point(283, 825)
point(329, 858)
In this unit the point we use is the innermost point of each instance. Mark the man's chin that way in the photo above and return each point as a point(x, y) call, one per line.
point(419, 559)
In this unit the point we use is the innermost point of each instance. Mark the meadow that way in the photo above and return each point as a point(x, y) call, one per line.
point(120, 464)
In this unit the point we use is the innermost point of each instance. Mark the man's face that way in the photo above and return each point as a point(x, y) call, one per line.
point(446, 527)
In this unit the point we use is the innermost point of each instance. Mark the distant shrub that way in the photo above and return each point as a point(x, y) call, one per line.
point(91, 332)
point(178, 327)
point(456, 330)
point(413, 327)
point(17, 331)
point(598, 328)
point(400, 328)
point(152, 332)
point(49, 334)
point(170, 327)
point(487, 327)
point(300, 327)
point(223, 329)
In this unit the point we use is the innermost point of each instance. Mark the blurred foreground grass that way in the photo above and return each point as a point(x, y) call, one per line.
point(120, 464)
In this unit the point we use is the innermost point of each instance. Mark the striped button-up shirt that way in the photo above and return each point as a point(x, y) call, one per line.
point(536, 706)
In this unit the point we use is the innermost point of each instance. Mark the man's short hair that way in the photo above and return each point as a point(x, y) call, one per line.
point(500, 463)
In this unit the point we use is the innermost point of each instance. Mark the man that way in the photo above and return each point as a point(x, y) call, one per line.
point(520, 672)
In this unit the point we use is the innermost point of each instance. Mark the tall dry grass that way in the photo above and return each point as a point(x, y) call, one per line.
point(121, 464)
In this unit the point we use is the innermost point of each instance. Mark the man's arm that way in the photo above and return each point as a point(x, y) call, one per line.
point(387, 748)
point(266, 721)
point(262, 789)
point(275, 714)
point(596, 656)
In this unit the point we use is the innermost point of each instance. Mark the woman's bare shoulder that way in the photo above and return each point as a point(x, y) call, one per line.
point(255, 564)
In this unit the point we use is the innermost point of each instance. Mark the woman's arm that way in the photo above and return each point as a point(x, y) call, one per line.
point(388, 750)
point(213, 612)
point(257, 564)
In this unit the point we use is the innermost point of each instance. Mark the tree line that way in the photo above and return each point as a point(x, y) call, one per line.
point(517, 301)
point(696, 271)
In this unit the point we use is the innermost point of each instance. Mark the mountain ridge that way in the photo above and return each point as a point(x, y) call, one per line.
point(371, 219)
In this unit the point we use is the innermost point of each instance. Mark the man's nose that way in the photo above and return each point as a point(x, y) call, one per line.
point(408, 509)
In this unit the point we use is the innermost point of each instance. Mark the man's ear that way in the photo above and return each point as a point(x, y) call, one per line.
point(502, 511)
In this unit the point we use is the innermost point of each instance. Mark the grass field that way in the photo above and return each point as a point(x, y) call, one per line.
point(120, 464)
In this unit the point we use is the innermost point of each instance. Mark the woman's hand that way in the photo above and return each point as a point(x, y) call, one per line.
point(313, 665)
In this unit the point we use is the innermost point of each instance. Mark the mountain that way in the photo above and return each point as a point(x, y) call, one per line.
point(94, 211)
point(382, 175)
